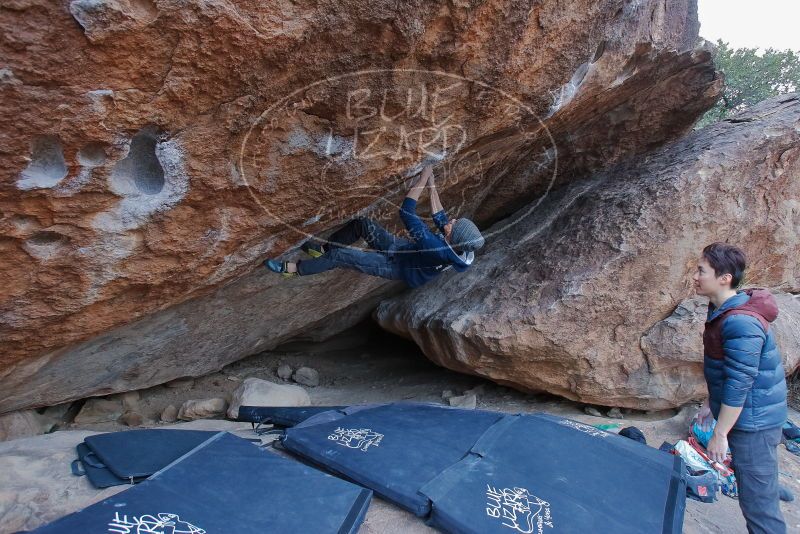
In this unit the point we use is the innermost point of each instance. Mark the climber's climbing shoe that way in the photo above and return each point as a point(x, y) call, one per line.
point(279, 267)
point(314, 250)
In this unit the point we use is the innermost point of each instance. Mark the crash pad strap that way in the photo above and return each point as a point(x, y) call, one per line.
point(77, 470)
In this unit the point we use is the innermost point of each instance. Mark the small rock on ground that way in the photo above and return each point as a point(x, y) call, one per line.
point(591, 410)
point(306, 376)
point(131, 418)
point(170, 414)
point(202, 409)
point(477, 390)
point(284, 372)
point(615, 413)
point(468, 402)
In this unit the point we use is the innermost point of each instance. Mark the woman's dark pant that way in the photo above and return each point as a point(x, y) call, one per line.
point(379, 262)
point(755, 464)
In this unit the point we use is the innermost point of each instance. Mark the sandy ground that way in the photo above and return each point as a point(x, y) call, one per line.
point(365, 365)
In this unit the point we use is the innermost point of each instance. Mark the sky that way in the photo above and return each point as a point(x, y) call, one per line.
point(752, 24)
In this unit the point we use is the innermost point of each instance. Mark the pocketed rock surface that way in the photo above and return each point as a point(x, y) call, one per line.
point(155, 153)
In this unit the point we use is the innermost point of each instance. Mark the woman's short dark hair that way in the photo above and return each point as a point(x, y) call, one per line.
point(726, 259)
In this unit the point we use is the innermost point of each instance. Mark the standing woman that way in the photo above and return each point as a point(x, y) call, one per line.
point(746, 383)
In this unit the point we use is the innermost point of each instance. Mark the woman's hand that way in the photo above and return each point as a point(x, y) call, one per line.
point(704, 417)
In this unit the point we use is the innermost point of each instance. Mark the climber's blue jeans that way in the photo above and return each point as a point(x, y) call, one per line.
point(380, 261)
point(755, 464)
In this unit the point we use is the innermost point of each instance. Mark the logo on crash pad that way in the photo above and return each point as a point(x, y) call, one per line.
point(356, 438)
point(152, 524)
point(518, 509)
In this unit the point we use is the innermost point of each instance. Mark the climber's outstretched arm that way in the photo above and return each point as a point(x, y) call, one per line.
point(436, 204)
point(420, 182)
point(417, 229)
point(437, 210)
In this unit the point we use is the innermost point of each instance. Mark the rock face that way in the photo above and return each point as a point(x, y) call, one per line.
point(674, 345)
point(154, 152)
point(589, 297)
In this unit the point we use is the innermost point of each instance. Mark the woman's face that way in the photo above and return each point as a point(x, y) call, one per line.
point(706, 282)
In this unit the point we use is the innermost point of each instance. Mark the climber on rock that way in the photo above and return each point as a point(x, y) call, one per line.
point(416, 261)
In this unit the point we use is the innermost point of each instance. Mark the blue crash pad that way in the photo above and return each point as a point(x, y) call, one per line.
point(226, 485)
point(483, 472)
point(133, 454)
point(393, 449)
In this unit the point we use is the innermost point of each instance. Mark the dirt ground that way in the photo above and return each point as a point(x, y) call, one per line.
point(366, 365)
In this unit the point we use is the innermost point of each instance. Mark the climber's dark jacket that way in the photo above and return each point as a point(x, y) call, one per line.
point(742, 365)
point(427, 254)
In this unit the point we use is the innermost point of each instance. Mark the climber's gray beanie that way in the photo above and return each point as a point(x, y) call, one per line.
point(465, 236)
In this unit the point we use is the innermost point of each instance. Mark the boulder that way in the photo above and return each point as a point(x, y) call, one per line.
point(468, 402)
point(130, 399)
point(98, 410)
point(22, 424)
point(594, 412)
point(306, 376)
point(675, 344)
point(257, 392)
point(202, 409)
point(160, 152)
point(284, 372)
point(582, 297)
point(169, 414)
point(131, 418)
